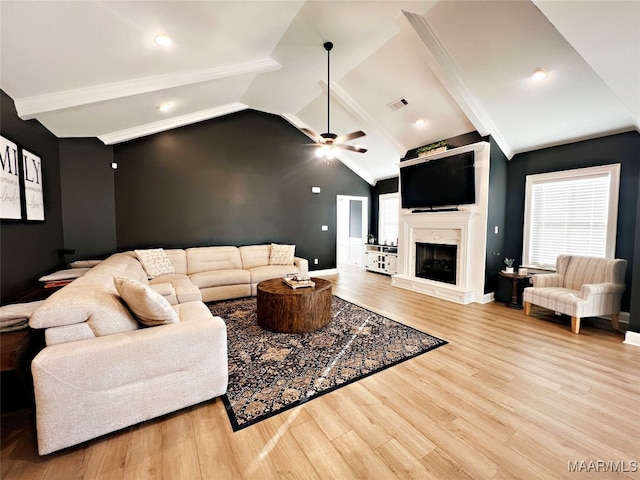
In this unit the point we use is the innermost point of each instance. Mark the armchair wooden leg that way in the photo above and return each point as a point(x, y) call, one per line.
point(575, 324)
point(614, 321)
point(527, 308)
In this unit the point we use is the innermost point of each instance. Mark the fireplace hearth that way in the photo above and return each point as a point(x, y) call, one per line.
point(436, 262)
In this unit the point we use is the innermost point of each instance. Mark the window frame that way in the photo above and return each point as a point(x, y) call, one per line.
point(610, 170)
point(381, 220)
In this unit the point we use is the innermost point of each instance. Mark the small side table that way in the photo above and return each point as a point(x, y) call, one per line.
point(516, 279)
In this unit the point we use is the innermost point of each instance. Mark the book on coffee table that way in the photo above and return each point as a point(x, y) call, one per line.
point(299, 283)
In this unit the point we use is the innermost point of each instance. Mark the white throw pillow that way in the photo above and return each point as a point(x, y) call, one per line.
point(147, 305)
point(155, 262)
point(281, 254)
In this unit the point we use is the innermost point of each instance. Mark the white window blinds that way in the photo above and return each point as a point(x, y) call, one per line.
point(570, 212)
point(389, 211)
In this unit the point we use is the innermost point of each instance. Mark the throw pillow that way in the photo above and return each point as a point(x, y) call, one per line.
point(147, 305)
point(155, 262)
point(281, 254)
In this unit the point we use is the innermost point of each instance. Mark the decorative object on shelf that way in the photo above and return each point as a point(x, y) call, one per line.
point(522, 271)
point(432, 148)
point(509, 263)
point(371, 238)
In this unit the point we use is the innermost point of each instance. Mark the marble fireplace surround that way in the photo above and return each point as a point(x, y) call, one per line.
point(448, 228)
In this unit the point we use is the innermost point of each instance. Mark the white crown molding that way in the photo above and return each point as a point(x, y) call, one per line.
point(170, 123)
point(445, 69)
point(30, 107)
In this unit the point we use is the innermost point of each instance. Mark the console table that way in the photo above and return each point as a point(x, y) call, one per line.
point(381, 258)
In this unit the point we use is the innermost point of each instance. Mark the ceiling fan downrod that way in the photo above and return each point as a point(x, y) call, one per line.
point(328, 46)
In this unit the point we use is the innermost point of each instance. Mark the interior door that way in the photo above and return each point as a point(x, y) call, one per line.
point(352, 229)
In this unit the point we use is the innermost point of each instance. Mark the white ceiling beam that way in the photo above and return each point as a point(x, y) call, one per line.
point(448, 74)
point(30, 107)
point(356, 110)
point(170, 123)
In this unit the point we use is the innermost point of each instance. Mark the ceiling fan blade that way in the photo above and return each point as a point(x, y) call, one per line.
point(351, 147)
point(350, 136)
point(310, 133)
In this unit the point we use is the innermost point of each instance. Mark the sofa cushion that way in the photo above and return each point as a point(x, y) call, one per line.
point(68, 333)
point(178, 258)
point(155, 262)
point(255, 256)
point(93, 299)
point(219, 278)
point(268, 272)
point(147, 305)
point(281, 254)
point(581, 270)
point(207, 259)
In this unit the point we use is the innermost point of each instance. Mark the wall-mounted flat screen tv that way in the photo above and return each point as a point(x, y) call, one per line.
point(443, 182)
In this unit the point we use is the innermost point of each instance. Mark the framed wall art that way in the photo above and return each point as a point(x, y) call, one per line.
point(10, 192)
point(33, 192)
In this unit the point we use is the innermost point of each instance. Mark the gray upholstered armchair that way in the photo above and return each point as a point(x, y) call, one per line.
point(581, 287)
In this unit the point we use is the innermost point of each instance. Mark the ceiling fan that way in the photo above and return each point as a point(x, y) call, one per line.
point(328, 142)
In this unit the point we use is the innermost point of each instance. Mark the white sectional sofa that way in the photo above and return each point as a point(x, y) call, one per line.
point(102, 370)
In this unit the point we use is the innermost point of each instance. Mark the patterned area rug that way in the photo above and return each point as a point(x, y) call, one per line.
point(272, 372)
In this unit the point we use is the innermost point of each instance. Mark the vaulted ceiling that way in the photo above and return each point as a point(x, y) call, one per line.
point(92, 69)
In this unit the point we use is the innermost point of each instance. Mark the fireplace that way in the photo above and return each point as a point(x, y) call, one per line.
point(435, 261)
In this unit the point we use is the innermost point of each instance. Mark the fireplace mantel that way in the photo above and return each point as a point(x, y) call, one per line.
point(465, 228)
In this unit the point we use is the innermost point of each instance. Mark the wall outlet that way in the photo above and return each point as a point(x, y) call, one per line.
point(315, 261)
point(325, 228)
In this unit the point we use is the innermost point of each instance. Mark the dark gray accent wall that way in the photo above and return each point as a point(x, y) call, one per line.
point(634, 311)
point(241, 179)
point(494, 261)
point(623, 148)
point(88, 204)
point(29, 250)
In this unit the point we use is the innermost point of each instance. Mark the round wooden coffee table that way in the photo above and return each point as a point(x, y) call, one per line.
point(288, 310)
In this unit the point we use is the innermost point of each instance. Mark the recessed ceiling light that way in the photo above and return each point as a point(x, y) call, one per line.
point(539, 74)
point(165, 107)
point(163, 40)
point(420, 122)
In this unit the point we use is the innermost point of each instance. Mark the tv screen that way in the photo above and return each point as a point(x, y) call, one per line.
point(448, 181)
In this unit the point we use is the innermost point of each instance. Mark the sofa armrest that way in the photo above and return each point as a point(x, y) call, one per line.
point(542, 280)
point(590, 290)
point(167, 290)
point(87, 388)
point(164, 289)
point(302, 264)
point(136, 355)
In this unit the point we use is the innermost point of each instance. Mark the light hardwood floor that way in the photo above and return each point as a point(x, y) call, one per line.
point(509, 397)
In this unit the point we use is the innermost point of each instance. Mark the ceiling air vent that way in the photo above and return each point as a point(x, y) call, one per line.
point(397, 104)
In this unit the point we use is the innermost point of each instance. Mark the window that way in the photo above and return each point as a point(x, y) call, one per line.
point(570, 212)
point(389, 211)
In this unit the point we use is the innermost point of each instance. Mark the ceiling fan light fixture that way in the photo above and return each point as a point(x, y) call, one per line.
point(539, 74)
point(163, 40)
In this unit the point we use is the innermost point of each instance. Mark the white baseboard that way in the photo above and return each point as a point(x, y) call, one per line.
point(632, 338)
point(320, 273)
